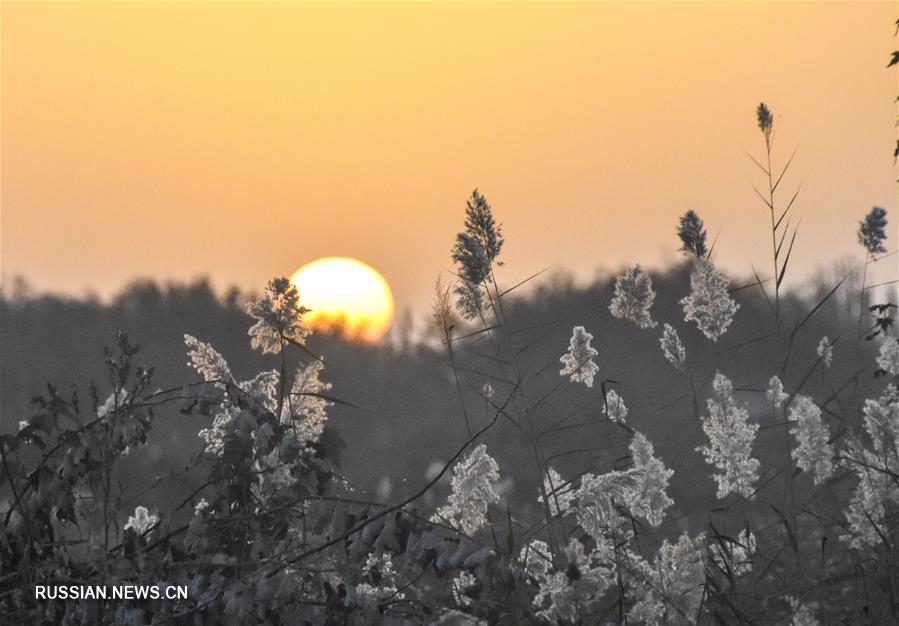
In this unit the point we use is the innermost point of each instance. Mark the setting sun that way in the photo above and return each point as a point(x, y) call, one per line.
point(346, 295)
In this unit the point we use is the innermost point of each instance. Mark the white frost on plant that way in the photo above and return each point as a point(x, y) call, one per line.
point(775, 394)
point(633, 297)
point(273, 472)
point(536, 559)
point(597, 500)
point(866, 515)
point(263, 388)
point(876, 494)
point(559, 492)
point(578, 361)
point(306, 409)
point(568, 595)
point(650, 499)
point(813, 454)
point(279, 317)
point(380, 583)
point(731, 436)
point(709, 304)
point(461, 585)
point(615, 407)
point(207, 361)
point(640, 490)
point(672, 347)
point(473, 490)
point(115, 401)
point(215, 436)
point(141, 521)
point(672, 587)
point(825, 351)
point(888, 359)
point(213, 368)
point(882, 426)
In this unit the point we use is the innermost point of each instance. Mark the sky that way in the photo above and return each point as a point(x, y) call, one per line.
point(239, 141)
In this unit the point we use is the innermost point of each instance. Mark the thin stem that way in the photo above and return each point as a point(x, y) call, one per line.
point(861, 299)
point(452, 358)
point(773, 231)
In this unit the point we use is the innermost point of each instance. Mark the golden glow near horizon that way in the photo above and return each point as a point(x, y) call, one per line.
point(346, 295)
point(174, 140)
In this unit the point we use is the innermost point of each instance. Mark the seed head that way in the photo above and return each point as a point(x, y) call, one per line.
point(871, 231)
point(765, 120)
point(692, 234)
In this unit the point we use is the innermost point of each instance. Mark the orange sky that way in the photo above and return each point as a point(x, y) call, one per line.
point(240, 141)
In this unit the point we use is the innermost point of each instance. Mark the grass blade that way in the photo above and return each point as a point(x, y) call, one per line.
point(712, 248)
point(761, 167)
point(819, 305)
point(529, 278)
point(786, 167)
point(764, 199)
point(783, 269)
point(783, 236)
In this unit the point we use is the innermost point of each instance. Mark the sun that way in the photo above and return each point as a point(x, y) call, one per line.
point(346, 296)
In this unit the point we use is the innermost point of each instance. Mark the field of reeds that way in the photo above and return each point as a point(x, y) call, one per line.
point(658, 448)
